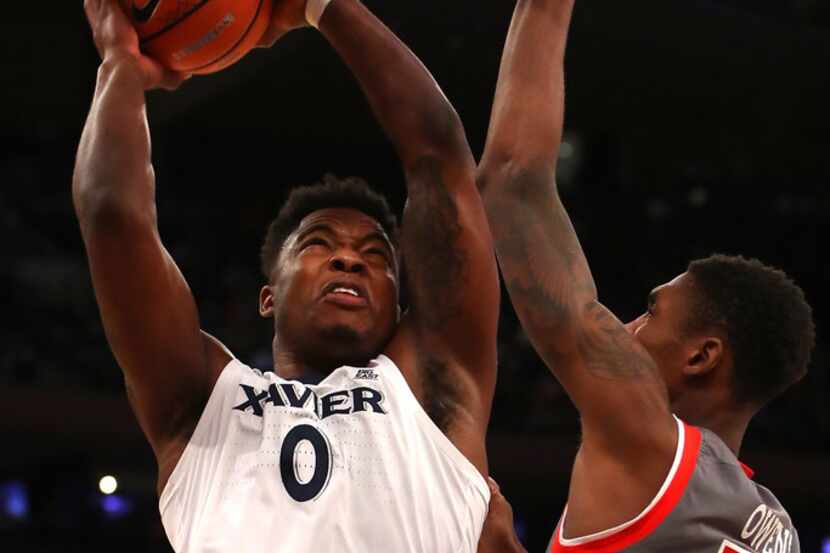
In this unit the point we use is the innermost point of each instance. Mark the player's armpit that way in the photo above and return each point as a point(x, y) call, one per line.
point(624, 411)
point(450, 264)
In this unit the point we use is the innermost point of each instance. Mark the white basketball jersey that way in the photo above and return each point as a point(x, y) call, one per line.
point(351, 465)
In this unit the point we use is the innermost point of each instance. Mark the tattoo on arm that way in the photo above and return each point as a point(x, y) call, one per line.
point(551, 284)
point(435, 265)
point(542, 262)
point(609, 350)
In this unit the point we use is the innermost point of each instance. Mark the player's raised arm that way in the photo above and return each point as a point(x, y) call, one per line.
point(446, 242)
point(612, 380)
point(147, 309)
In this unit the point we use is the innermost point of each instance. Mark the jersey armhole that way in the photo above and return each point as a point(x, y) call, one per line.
point(670, 493)
point(439, 438)
point(216, 395)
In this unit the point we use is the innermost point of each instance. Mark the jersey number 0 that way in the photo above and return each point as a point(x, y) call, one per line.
point(305, 491)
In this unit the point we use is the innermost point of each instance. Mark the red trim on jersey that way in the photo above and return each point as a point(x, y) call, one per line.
point(650, 521)
point(748, 471)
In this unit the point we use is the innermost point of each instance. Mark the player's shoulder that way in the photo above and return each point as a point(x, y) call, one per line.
point(719, 469)
point(763, 517)
point(719, 460)
point(236, 378)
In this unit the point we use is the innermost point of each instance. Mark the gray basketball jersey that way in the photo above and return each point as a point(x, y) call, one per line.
point(707, 504)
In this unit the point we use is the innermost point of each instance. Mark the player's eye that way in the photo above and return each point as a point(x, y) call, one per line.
point(315, 242)
point(650, 305)
point(377, 252)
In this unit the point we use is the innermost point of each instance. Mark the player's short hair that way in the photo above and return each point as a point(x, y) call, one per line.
point(330, 192)
point(767, 321)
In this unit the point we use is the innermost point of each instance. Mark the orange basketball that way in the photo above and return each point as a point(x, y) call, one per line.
point(198, 36)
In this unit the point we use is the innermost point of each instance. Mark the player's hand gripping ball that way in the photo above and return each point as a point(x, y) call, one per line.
point(198, 36)
point(286, 15)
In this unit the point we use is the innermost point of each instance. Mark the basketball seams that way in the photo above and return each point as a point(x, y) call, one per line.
point(194, 51)
point(169, 26)
point(233, 48)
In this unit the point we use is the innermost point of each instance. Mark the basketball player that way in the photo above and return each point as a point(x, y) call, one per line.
point(386, 452)
point(715, 344)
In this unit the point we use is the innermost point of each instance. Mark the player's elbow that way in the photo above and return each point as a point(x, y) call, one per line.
point(440, 136)
point(511, 190)
point(102, 209)
point(505, 172)
point(444, 126)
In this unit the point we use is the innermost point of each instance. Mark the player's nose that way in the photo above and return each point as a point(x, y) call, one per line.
point(347, 261)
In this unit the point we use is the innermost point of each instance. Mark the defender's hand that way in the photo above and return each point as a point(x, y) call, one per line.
point(117, 42)
point(498, 534)
point(286, 16)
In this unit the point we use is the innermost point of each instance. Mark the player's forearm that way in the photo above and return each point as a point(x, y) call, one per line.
point(406, 100)
point(542, 262)
point(113, 171)
point(528, 109)
point(544, 268)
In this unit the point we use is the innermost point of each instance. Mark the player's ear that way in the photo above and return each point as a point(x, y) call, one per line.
point(703, 356)
point(266, 302)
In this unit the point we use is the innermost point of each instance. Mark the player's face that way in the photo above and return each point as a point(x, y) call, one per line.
point(335, 285)
point(660, 328)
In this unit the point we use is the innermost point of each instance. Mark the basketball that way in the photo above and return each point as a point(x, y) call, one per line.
point(198, 36)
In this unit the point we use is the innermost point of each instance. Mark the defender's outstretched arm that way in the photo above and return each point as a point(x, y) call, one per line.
point(612, 380)
point(148, 312)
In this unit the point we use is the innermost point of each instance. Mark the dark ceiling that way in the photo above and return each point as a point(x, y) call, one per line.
point(683, 64)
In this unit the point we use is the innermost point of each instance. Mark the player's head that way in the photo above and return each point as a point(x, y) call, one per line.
point(729, 322)
point(331, 265)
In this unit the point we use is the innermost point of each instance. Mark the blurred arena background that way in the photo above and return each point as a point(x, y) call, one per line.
point(693, 127)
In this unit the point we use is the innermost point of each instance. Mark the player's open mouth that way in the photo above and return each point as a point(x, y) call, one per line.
point(346, 295)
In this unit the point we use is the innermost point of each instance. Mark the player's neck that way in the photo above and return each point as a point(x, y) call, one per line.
point(290, 366)
point(294, 364)
point(731, 429)
point(729, 423)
